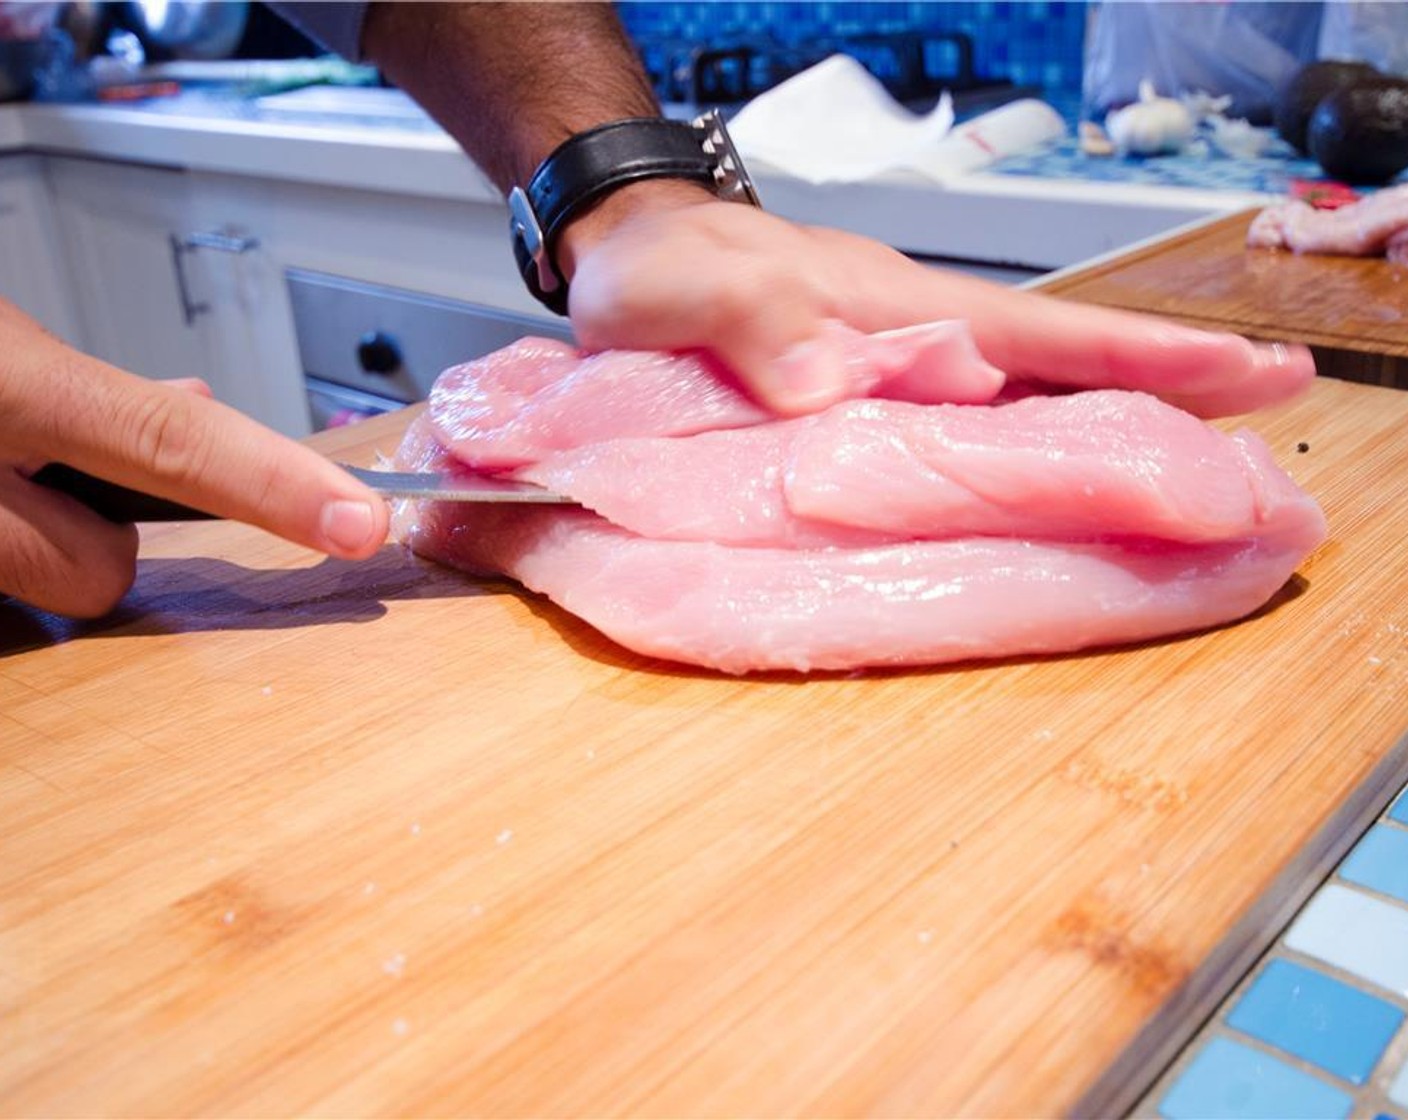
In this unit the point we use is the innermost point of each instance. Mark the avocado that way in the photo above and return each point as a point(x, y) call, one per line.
point(1360, 134)
point(1306, 88)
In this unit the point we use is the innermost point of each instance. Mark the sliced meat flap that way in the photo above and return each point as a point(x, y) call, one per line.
point(538, 396)
point(1084, 466)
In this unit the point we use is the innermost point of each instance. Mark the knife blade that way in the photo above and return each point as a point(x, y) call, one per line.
point(455, 488)
point(122, 504)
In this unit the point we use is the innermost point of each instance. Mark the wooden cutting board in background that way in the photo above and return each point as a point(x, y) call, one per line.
point(297, 836)
point(1353, 312)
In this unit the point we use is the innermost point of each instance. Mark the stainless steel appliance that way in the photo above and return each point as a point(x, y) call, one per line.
point(368, 349)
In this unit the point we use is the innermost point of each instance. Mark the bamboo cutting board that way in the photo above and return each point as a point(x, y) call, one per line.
point(1352, 311)
point(291, 836)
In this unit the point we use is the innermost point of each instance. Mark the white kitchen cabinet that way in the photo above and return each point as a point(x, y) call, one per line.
point(173, 273)
point(453, 249)
point(165, 290)
point(33, 270)
point(418, 247)
point(117, 221)
point(234, 265)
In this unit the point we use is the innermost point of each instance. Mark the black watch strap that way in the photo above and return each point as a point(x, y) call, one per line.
point(586, 167)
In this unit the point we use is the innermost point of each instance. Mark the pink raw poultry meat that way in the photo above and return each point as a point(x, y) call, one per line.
point(742, 610)
point(1373, 226)
point(538, 396)
point(866, 472)
point(889, 534)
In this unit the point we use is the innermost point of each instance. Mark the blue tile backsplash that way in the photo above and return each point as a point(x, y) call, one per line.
point(1031, 43)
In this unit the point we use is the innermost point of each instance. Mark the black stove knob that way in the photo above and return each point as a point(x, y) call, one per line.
point(379, 353)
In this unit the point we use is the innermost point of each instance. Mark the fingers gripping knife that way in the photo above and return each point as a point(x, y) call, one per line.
point(118, 503)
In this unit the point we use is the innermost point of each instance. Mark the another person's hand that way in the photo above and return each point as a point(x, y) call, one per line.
point(666, 266)
point(168, 439)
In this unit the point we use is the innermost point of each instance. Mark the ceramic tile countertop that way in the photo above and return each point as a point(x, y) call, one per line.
point(375, 139)
point(1317, 1030)
point(1270, 174)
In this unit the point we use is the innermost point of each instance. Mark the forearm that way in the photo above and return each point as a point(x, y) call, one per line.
point(510, 81)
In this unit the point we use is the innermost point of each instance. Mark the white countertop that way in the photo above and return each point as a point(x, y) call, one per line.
point(12, 127)
point(1028, 222)
point(393, 160)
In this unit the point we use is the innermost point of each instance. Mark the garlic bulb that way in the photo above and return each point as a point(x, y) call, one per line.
point(1153, 124)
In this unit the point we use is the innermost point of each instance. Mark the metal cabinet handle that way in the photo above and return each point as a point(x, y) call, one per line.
point(190, 308)
point(220, 242)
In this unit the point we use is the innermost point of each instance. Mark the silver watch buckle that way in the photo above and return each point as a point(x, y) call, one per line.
point(731, 179)
point(527, 227)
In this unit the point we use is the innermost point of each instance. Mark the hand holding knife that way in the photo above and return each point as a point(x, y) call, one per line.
point(121, 504)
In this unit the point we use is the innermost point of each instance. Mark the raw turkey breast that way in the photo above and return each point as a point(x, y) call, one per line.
point(537, 396)
point(878, 532)
point(1376, 225)
point(1090, 464)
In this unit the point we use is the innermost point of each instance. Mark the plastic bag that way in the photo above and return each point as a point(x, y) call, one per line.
point(1376, 33)
point(1242, 50)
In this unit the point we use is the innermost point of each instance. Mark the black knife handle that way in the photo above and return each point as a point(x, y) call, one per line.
point(116, 503)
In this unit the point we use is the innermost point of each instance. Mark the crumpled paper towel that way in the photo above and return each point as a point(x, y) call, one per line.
point(835, 123)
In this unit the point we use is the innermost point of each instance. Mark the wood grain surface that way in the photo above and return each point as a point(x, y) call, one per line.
point(1352, 311)
point(293, 836)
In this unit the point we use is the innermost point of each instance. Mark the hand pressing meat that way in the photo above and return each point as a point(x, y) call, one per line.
point(537, 395)
point(672, 273)
point(876, 532)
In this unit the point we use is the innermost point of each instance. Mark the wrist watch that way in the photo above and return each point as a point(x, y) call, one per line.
point(585, 168)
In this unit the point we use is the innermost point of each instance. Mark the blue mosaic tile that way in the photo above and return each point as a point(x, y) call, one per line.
point(1205, 170)
point(1380, 862)
point(1317, 1018)
point(1028, 42)
point(1230, 1079)
point(1399, 812)
point(1363, 935)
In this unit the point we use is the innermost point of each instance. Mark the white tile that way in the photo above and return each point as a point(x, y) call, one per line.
point(1357, 933)
point(1398, 1091)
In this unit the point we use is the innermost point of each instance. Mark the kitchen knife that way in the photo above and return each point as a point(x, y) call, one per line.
point(455, 488)
point(120, 504)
